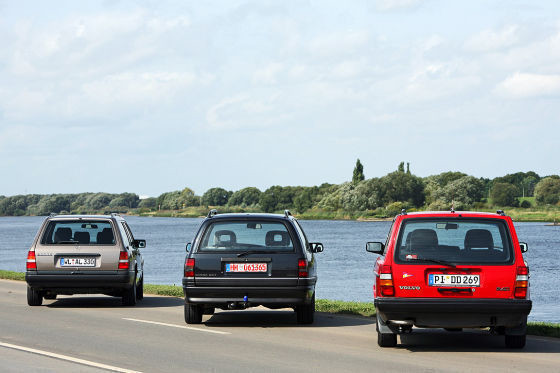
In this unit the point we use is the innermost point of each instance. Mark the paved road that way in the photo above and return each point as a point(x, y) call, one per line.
point(94, 333)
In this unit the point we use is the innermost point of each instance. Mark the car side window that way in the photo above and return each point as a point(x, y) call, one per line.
point(128, 231)
point(125, 235)
point(301, 233)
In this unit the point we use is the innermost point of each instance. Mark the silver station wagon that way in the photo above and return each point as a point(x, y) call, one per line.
point(85, 254)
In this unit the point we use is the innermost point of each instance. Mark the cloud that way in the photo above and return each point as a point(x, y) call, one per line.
point(389, 5)
point(491, 40)
point(524, 85)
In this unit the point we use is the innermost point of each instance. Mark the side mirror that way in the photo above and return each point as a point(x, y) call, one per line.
point(188, 247)
point(524, 247)
point(140, 244)
point(375, 247)
point(316, 247)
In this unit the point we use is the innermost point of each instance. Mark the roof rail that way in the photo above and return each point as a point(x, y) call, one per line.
point(287, 213)
point(212, 212)
point(53, 214)
point(115, 214)
point(501, 212)
point(403, 212)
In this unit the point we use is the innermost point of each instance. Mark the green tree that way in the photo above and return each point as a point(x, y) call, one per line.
point(402, 187)
point(358, 174)
point(547, 191)
point(504, 194)
point(277, 198)
point(216, 197)
point(148, 203)
point(462, 193)
point(401, 167)
point(249, 196)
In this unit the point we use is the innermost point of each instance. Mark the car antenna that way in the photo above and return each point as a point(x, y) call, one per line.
point(212, 212)
point(452, 206)
point(287, 213)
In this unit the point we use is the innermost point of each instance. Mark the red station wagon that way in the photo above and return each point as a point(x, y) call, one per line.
point(451, 270)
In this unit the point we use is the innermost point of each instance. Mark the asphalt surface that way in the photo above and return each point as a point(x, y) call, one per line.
point(95, 333)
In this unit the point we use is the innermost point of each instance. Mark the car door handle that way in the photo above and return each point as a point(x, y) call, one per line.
point(455, 290)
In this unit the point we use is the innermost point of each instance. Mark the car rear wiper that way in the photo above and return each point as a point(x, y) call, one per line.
point(254, 252)
point(65, 242)
point(437, 261)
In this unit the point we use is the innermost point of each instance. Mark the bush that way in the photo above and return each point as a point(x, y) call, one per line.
point(525, 204)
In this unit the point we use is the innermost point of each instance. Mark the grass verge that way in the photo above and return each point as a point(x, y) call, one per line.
point(545, 329)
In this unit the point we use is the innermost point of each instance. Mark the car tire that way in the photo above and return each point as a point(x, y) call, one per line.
point(50, 296)
point(515, 341)
point(193, 313)
point(306, 314)
point(34, 297)
point(385, 339)
point(140, 289)
point(129, 295)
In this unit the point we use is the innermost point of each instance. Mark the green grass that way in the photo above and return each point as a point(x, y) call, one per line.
point(342, 307)
point(10, 275)
point(322, 305)
point(168, 290)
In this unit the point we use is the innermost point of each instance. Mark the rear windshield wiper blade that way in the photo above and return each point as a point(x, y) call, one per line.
point(437, 261)
point(65, 242)
point(254, 252)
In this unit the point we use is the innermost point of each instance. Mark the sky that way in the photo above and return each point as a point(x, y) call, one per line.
point(154, 96)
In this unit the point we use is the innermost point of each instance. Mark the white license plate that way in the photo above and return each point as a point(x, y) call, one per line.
point(246, 267)
point(453, 280)
point(77, 262)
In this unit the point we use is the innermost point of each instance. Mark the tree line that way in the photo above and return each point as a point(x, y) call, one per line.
point(379, 196)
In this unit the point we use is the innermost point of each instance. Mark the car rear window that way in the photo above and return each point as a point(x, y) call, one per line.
point(83, 232)
point(454, 240)
point(246, 235)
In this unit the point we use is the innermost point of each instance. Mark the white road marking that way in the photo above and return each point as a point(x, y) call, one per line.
point(67, 358)
point(177, 326)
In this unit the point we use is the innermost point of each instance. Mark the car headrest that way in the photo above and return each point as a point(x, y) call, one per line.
point(62, 234)
point(423, 238)
point(479, 238)
point(277, 238)
point(225, 238)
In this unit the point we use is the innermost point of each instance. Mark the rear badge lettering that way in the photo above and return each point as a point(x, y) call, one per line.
point(502, 289)
point(409, 287)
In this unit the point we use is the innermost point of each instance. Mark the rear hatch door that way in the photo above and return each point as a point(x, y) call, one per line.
point(77, 245)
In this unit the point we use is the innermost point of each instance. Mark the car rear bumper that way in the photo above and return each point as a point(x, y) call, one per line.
point(79, 282)
point(453, 313)
point(249, 296)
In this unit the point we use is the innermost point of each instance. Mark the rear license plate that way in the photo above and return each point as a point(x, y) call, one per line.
point(77, 262)
point(246, 267)
point(453, 280)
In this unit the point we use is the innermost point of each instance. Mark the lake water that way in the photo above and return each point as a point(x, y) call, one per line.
point(345, 268)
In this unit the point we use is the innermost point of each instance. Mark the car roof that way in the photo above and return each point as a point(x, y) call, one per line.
point(454, 214)
point(54, 217)
point(227, 216)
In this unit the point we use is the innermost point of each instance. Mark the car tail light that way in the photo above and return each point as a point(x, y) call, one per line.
point(189, 268)
point(521, 282)
point(31, 260)
point(123, 260)
point(386, 281)
point(302, 268)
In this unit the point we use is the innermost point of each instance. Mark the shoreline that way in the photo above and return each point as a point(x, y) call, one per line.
point(357, 309)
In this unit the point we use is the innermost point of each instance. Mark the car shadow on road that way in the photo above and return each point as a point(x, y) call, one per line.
point(279, 318)
point(77, 301)
point(439, 340)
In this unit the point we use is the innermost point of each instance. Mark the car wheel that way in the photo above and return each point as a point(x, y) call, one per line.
point(50, 296)
point(34, 297)
point(306, 314)
point(193, 313)
point(140, 289)
point(515, 341)
point(385, 339)
point(129, 295)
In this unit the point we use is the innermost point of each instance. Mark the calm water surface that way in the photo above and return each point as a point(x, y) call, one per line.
point(345, 268)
